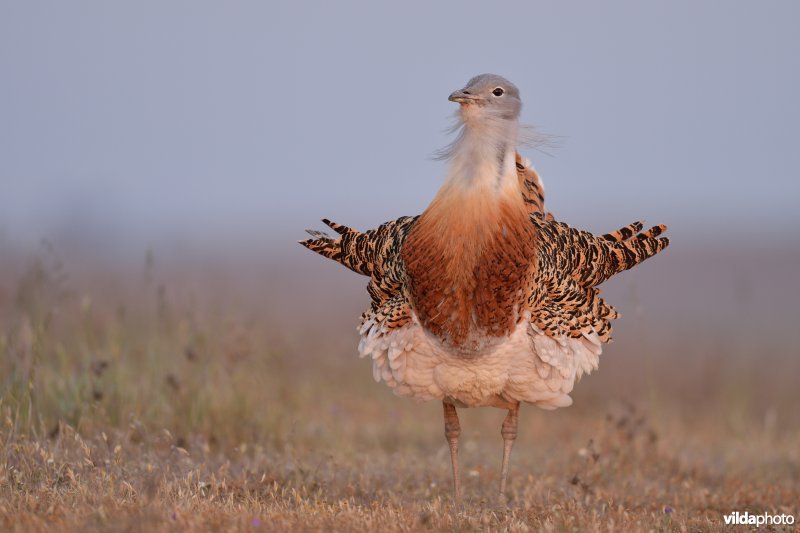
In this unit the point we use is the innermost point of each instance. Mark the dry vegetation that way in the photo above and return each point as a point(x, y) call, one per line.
point(156, 407)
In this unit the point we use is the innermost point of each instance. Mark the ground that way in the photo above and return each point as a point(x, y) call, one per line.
point(164, 409)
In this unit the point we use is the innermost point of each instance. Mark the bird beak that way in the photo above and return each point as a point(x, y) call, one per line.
point(462, 97)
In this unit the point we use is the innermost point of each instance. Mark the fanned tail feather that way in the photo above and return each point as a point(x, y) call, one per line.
point(592, 259)
point(343, 249)
point(366, 252)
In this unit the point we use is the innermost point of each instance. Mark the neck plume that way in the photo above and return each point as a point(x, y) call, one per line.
point(482, 157)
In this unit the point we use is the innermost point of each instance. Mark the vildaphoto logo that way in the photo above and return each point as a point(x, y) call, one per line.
point(765, 519)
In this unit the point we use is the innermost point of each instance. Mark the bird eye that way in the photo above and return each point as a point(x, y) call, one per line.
point(498, 92)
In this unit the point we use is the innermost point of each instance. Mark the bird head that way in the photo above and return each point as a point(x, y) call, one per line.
point(488, 96)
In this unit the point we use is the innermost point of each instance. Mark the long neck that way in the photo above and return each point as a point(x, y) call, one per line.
point(469, 253)
point(483, 159)
point(481, 185)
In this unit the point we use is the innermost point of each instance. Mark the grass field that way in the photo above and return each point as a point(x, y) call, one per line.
point(143, 404)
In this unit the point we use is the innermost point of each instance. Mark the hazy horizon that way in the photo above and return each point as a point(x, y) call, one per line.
point(127, 125)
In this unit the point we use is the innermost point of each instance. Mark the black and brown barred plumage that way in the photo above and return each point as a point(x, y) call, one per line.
point(571, 305)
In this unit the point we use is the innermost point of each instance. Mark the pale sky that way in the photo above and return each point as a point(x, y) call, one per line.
point(135, 122)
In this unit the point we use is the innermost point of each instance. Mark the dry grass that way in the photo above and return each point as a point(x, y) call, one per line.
point(163, 408)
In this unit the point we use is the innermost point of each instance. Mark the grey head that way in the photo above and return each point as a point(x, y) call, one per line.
point(490, 94)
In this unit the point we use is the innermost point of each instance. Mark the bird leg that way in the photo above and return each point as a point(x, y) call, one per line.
point(509, 434)
point(452, 429)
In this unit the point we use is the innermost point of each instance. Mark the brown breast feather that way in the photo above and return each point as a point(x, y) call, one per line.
point(470, 263)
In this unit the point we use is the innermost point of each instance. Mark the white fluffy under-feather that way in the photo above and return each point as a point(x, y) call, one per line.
point(527, 365)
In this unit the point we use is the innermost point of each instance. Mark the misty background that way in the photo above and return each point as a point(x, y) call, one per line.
point(213, 132)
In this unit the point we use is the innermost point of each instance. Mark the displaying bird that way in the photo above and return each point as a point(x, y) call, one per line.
point(485, 299)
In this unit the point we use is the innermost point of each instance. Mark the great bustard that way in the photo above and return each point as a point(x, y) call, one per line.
point(485, 299)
